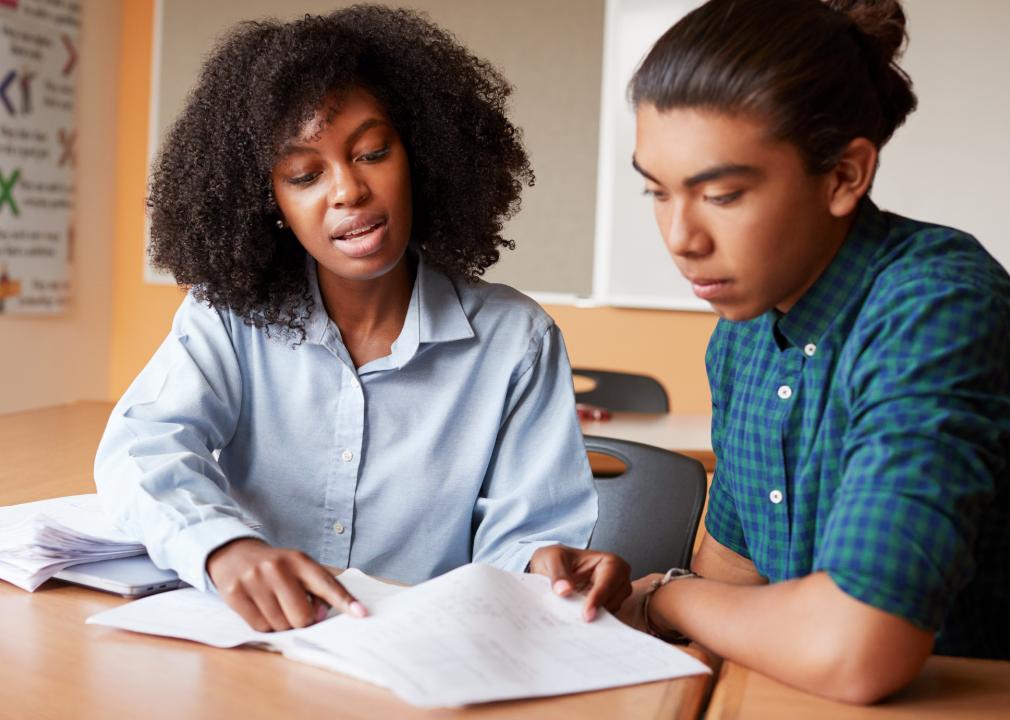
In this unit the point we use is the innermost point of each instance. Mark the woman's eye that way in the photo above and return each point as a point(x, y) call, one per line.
point(374, 155)
point(723, 199)
point(303, 179)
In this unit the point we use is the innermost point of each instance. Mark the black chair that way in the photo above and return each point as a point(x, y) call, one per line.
point(649, 514)
point(623, 392)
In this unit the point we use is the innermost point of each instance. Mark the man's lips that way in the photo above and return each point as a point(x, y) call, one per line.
point(708, 288)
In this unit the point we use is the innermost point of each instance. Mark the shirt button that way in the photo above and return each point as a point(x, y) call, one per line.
point(785, 392)
point(338, 528)
point(346, 456)
point(810, 349)
point(775, 496)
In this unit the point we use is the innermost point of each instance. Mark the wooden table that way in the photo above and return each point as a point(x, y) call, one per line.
point(55, 666)
point(687, 434)
point(947, 688)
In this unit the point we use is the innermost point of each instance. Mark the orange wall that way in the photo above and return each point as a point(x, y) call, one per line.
point(668, 345)
point(141, 312)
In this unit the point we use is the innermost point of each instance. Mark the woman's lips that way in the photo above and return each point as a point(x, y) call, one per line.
point(361, 242)
point(709, 289)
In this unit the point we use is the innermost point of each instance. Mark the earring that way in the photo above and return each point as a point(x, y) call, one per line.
point(280, 224)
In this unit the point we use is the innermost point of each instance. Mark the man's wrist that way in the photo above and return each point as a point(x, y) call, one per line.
point(655, 624)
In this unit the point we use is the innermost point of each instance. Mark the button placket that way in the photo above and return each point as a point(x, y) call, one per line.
point(347, 437)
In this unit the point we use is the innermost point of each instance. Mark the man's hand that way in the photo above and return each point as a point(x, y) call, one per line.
point(631, 612)
point(604, 576)
point(276, 588)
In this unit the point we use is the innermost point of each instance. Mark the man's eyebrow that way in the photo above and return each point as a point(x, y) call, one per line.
point(720, 171)
point(643, 173)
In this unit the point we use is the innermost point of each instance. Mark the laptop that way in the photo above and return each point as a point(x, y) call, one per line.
point(130, 577)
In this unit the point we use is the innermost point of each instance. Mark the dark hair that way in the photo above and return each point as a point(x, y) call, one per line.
point(213, 216)
point(819, 73)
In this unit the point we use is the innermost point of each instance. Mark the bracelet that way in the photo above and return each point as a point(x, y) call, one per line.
point(676, 637)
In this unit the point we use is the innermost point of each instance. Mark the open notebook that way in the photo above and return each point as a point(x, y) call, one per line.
point(476, 634)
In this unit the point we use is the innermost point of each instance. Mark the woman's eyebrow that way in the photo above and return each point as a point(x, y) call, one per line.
point(289, 149)
point(363, 128)
point(293, 148)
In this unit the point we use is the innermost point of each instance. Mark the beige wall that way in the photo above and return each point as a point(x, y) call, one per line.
point(59, 359)
point(551, 51)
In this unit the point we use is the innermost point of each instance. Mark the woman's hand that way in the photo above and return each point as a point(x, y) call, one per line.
point(276, 588)
point(604, 576)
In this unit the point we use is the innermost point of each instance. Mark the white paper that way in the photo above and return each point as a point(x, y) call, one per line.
point(480, 634)
point(39, 539)
point(476, 634)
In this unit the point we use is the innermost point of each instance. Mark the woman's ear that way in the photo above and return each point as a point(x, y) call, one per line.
point(851, 177)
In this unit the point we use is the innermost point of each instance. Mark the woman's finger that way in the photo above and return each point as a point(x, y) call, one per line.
point(553, 561)
point(239, 601)
point(321, 583)
point(293, 598)
point(262, 594)
point(610, 586)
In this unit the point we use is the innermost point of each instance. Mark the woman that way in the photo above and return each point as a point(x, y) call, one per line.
point(860, 374)
point(338, 386)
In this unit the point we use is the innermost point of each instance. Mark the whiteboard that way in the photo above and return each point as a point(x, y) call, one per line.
point(631, 265)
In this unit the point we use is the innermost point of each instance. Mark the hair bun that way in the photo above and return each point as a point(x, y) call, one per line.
point(881, 20)
point(881, 26)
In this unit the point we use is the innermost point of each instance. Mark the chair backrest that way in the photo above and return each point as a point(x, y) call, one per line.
point(623, 392)
point(649, 514)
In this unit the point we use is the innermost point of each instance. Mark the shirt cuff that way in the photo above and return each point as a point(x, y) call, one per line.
point(716, 531)
point(187, 552)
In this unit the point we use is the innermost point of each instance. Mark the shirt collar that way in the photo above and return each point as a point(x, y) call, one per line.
point(435, 314)
point(844, 279)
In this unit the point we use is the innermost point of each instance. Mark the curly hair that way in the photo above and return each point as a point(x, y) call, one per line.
point(213, 215)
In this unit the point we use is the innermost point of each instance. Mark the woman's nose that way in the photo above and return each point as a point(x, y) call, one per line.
point(347, 189)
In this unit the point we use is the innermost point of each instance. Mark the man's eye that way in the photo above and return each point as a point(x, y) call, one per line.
point(724, 199)
point(658, 195)
point(374, 155)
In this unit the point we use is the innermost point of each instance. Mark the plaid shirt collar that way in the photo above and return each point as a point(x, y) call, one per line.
point(843, 281)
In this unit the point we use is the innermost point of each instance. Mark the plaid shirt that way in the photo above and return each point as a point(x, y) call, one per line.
point(866, 433)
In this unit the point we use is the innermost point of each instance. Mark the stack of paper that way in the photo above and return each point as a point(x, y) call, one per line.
point(476, 634)
point(39, 539)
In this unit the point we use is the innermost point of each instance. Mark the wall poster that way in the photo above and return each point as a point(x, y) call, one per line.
point(38, 71)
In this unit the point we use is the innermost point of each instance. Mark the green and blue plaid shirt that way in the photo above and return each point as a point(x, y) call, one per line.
point(866, 433)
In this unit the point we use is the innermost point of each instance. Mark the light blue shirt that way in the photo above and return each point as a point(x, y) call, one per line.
point(461, 445)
